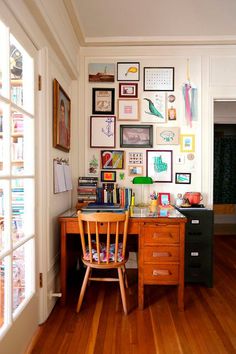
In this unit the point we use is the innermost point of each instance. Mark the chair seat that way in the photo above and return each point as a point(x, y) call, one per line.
point(103, 252)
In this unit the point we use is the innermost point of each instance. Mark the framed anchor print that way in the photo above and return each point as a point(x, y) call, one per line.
point(160, 165)
point(102, 131)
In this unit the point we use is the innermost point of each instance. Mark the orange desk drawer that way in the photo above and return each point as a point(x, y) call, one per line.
point(160, 234)
point(161, 273)
point(161, 254)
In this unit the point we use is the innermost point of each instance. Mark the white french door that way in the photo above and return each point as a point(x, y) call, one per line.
point(17, 184)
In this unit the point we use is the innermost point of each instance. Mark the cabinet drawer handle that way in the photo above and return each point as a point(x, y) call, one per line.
point(161, 254)
point(154, 224)
point(160, 272)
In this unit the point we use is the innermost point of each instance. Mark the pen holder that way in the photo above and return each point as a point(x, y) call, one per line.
point(153, 205)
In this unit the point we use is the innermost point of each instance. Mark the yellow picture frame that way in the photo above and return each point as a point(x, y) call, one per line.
point(187, 143)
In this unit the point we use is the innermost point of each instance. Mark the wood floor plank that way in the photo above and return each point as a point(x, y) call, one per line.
point(207, 326)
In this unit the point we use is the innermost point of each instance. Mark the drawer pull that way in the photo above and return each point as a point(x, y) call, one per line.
point(155, 235)
point(161, 272)
point(161, 254)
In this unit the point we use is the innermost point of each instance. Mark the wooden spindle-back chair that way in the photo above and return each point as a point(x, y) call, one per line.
point(97, 231)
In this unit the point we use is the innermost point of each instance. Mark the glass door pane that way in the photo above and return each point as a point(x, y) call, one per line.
point(22, 209)
point(22, 78)
point(22, 274)
point(4, 61)
point(22, 140)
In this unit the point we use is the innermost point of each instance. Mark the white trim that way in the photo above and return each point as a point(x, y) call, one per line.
point(43, 193)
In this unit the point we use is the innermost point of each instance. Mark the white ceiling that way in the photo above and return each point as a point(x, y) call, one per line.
point(116, 22)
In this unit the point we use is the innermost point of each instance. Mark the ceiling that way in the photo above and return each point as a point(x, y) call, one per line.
point(134, 22)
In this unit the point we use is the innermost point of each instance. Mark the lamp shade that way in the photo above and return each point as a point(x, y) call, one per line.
point(142, 180)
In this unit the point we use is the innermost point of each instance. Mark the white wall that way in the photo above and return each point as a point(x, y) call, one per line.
point(208, 73)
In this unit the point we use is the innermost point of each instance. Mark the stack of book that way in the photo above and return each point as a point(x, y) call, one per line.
point(87, 189)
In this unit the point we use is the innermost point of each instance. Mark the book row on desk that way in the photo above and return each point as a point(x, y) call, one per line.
point(111, 194)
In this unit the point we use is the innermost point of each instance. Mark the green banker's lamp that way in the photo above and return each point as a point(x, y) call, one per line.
point(143, 181)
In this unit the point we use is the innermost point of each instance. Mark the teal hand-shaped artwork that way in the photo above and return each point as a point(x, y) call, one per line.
point(152, 109)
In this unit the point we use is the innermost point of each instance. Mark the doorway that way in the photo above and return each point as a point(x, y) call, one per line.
point(224, 199)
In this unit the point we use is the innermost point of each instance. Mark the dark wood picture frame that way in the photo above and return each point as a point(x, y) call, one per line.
point(112, 159)
point(158, 78)
point(128, 89)
point(108, 176)
point(103, 101)
point(131, 136)
point(160, 165)
point(61, 118)
point(182, 178)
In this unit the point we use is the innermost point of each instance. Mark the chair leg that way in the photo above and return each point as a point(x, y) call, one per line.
point(125, 276)
point(83, 288)
point(122, 289)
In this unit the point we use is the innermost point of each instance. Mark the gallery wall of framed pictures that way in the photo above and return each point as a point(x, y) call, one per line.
point(146, 117)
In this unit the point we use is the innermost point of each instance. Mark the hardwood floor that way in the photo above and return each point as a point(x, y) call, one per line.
point(208, 324)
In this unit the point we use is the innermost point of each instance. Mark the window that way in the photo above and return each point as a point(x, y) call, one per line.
point(17, 215)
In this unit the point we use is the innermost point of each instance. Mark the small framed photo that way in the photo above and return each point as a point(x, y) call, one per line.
point(135, 170)
point(128, 109)
point(135, 158)
point(108, 176)
point(128, 89)
point(187, 143)
point(112, 159)
point(102, 131)
point(167, 136)
point(103, 100)
point(61, 118)
point(128, 71)
point(164, 198)
point(139, 136)
point(159, 165)
point(158, 79)
point(182, 178)
point(100, 72)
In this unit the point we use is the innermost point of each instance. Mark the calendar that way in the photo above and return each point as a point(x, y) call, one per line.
point(159, 79)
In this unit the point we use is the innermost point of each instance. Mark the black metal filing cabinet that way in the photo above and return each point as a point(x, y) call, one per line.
point(199, 245)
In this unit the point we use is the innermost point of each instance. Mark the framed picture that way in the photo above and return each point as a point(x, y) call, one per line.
point(164, 198)
point(154, 107)
point(135, 170)
point(187, 143)
point(128, 89)
point(128, 109)
point(103, 100)
point(128, 71)
point(102, 131)
point(158, 79)
point(135, 158)
point(108, 176)
point(61, 118)
point(167, 136)
point(112, 159)
point(99, 72)
point(182, 178)
point(140, 136)
point(159, 165)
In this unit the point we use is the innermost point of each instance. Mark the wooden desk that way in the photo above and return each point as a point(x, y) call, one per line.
point(161, 249)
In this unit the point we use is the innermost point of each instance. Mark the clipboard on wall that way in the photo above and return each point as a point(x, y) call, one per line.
point(62, 176)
